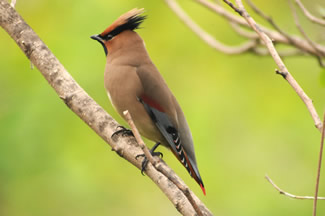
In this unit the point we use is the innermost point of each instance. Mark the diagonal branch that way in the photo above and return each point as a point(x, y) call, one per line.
point(86, 108)
point(309, 15)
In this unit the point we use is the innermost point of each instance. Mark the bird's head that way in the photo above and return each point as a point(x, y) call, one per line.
point(129, 21)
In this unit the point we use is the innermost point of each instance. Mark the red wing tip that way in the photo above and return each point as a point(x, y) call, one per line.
point(203, 189)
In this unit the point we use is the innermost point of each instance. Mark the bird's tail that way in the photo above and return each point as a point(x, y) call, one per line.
point(190, 165)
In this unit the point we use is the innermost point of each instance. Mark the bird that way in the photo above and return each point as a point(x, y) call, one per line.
point(133, 83)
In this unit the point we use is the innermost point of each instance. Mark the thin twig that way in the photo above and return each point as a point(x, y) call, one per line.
point(319, 52)
point(271, 21)
point(222, 12)
point(138, 138)
point(319, 166)
point(289, 194)
point(282, 68)
point(155, 163)
point(207, 38)
point(13, 3)
point(290, 38)
point(309, 15)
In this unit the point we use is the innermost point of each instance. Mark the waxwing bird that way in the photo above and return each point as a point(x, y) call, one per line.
point(133, 83)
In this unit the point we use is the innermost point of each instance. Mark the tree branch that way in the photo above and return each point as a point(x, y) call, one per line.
point(207, 38)
point(289, 194)
point(276, 36)
point(282, 68)
point(86, 108)
point(270, 20)
point(303, 33)
point(319, 166)
point(309, 15)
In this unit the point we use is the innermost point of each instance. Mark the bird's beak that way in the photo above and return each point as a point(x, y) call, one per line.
point(96, 37)
point(100, 40)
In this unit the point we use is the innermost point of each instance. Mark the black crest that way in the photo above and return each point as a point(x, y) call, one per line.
point(131, 23)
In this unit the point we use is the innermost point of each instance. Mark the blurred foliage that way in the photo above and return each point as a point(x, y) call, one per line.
point(245, 119)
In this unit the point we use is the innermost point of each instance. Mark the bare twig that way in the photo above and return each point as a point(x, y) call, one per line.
point(222, 12)
point(13, 3)
point(319, 52)
point(270, 20)
point(319, 166)
point(289, 194)
point(299, 43)
point(309, 15)
point(138, 138)
point(282, 68)
point(155, 163)
point(207, 38)
point(85, 107)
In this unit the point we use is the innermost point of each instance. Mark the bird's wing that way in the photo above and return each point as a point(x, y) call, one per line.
point(171, 135)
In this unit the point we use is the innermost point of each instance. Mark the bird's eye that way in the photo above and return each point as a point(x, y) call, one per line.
point(109, 37)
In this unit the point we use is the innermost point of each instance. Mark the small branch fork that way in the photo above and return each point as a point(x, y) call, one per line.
point(304, 34)
point(156, 163)
point(289, 194)
point(319, 53)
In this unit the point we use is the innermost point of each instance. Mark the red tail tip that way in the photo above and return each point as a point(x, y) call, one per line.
point(203, 189)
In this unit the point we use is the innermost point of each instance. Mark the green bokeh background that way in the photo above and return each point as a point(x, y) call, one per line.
point(246, 121)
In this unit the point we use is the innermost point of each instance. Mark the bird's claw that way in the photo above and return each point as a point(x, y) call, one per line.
point(122, 130)
point(145, 160)
point(159, 154)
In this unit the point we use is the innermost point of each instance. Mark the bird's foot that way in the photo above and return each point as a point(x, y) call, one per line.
point(123, 130)
point(145, 160)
